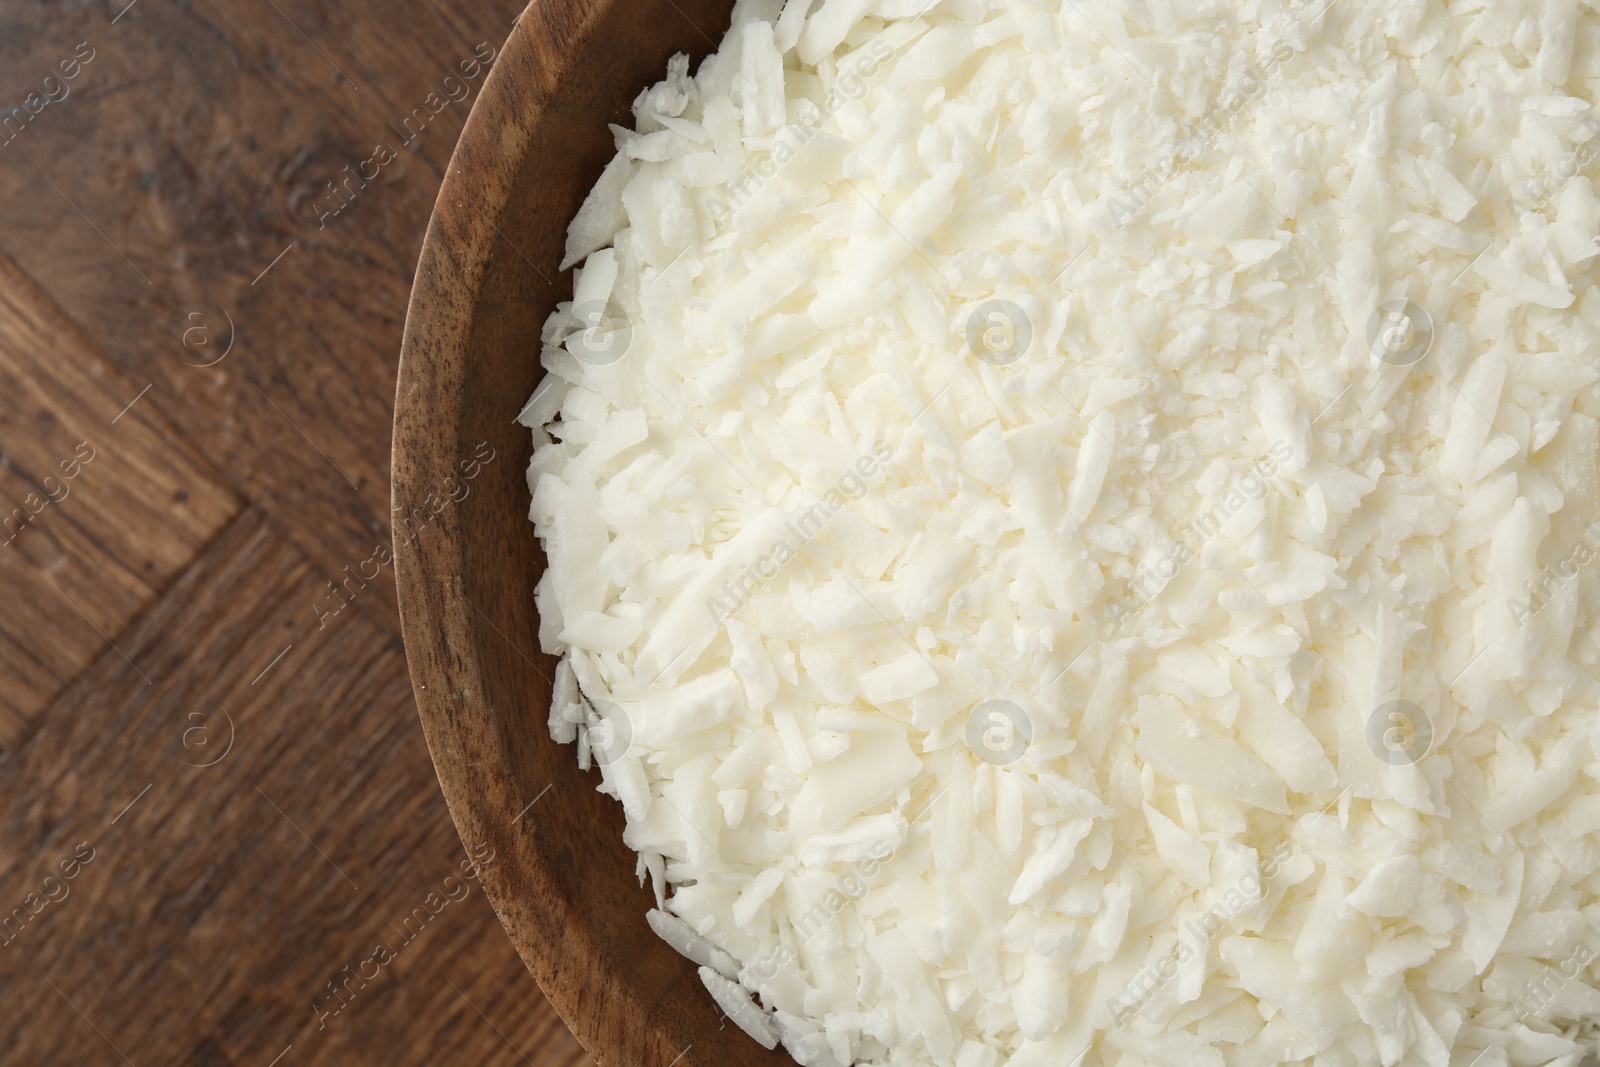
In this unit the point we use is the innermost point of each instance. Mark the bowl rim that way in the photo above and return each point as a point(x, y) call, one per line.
point(588, 989)
point(563, 884)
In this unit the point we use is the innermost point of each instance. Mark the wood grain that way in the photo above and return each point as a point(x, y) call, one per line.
point(181, 178)
point(566, 890)
point(193, 152)
point(240, 889)
point(100, 506)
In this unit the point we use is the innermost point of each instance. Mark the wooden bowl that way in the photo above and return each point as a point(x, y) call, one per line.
point(561, 879)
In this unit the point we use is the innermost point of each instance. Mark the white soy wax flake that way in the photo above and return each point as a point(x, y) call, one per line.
point(1073, 531)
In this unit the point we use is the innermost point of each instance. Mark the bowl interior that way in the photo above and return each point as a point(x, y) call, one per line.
point(561, 880)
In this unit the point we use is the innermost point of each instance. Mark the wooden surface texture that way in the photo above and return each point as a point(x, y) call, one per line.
point(215, 795)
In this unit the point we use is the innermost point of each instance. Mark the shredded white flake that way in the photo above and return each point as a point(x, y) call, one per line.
point(1073, 528)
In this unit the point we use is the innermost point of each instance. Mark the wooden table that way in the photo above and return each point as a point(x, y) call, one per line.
point(215, 799)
